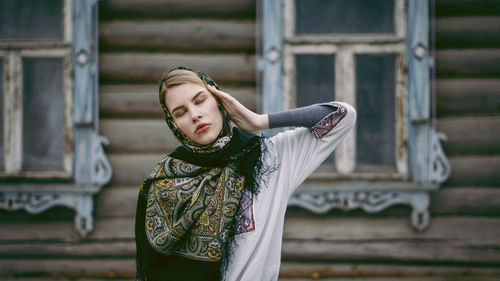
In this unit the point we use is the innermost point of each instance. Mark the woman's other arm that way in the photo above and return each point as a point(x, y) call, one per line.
point(307, 116)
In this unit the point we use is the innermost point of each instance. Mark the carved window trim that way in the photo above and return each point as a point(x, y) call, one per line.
point(421, 165)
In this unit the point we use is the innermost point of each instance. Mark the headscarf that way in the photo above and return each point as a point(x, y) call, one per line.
point(189, 144)
point(190, 203)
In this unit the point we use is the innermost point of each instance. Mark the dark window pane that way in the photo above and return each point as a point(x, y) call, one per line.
point(375, 99)
point(1, 117)
point(340, 16)
point(316, 84)
point(31, 19)
point(43, 114)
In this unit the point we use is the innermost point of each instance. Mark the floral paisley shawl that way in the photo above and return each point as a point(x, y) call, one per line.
point(190, 208)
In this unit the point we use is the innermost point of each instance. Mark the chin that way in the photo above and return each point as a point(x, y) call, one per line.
point(205, 140)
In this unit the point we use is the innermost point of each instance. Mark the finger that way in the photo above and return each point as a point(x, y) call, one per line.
point(220, 94)
point(213, 90)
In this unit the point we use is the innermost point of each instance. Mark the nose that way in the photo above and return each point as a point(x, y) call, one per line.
point(195, 115)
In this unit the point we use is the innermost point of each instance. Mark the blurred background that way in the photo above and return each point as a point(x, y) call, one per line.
point(74, 72)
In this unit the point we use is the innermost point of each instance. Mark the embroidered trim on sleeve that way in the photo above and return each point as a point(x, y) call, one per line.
point(324, 126)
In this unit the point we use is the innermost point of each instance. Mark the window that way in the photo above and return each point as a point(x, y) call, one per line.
point(48, 109)
point(37, 96)
point(376, 56)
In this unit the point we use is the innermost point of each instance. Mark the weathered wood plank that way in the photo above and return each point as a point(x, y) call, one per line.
point(471, 135)
point(129, 101)
point(445, 277)
point(468, 96)
point(460, 230)
point(177, 8)
point(474, 171)
point(138, 135)
point(465, 230)
point(467, 7)
point(468, 63)
point(132, 169)
point(141, 101)
point(114, 279)
point(62, 267)
point(457, 240)
point(182, 35)
point(376, 249)
point(36, 279)
point(412, 251)
point(120, 201)
point(121, 68)
point(310, 239)
point(119, 228)
point(57, 231)
point(314, 271)
point(468, 32)
point(81, 270)
point(478, 201)
point(99, 249)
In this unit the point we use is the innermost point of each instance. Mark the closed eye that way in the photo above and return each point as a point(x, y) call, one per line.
point(200, 100)
point(179, 113)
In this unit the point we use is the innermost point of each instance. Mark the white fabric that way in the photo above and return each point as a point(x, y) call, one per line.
point(257, 255)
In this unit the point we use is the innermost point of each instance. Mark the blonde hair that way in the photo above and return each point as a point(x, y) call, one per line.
point(178, 77)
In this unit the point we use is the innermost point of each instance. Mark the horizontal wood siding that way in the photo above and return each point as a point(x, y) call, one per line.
point(164, 9)
point(376, 243)
point(174, 35)
point(148, 67)
point(467, 96)
point(141, 39)
point(459, 8)
point(478, 30)
point(477, 63)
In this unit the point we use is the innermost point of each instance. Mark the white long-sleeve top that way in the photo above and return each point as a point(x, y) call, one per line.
point(298, 152)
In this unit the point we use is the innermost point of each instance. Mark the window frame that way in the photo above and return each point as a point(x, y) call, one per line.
point(421, 164)
point(12, 53)
point(13, 112)
point(86, 167)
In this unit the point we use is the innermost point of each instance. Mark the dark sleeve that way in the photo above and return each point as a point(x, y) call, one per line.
point(307, 116)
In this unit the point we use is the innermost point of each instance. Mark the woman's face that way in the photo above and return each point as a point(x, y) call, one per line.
point(195, 112)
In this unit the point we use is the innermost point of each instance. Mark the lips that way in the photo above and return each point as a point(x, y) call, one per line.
point(201, 128)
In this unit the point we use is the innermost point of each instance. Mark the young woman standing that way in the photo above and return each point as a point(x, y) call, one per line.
point(214, 208)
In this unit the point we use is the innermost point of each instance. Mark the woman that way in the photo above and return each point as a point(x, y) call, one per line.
point(214, 208)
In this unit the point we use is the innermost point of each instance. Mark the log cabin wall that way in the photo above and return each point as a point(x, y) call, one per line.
point(141, 39)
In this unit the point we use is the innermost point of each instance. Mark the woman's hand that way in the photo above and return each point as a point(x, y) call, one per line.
point(243, 117)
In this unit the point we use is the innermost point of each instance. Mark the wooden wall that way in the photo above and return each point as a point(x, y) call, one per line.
point(141, 39)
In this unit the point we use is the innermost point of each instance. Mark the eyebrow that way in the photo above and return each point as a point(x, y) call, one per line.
point(195, 96)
